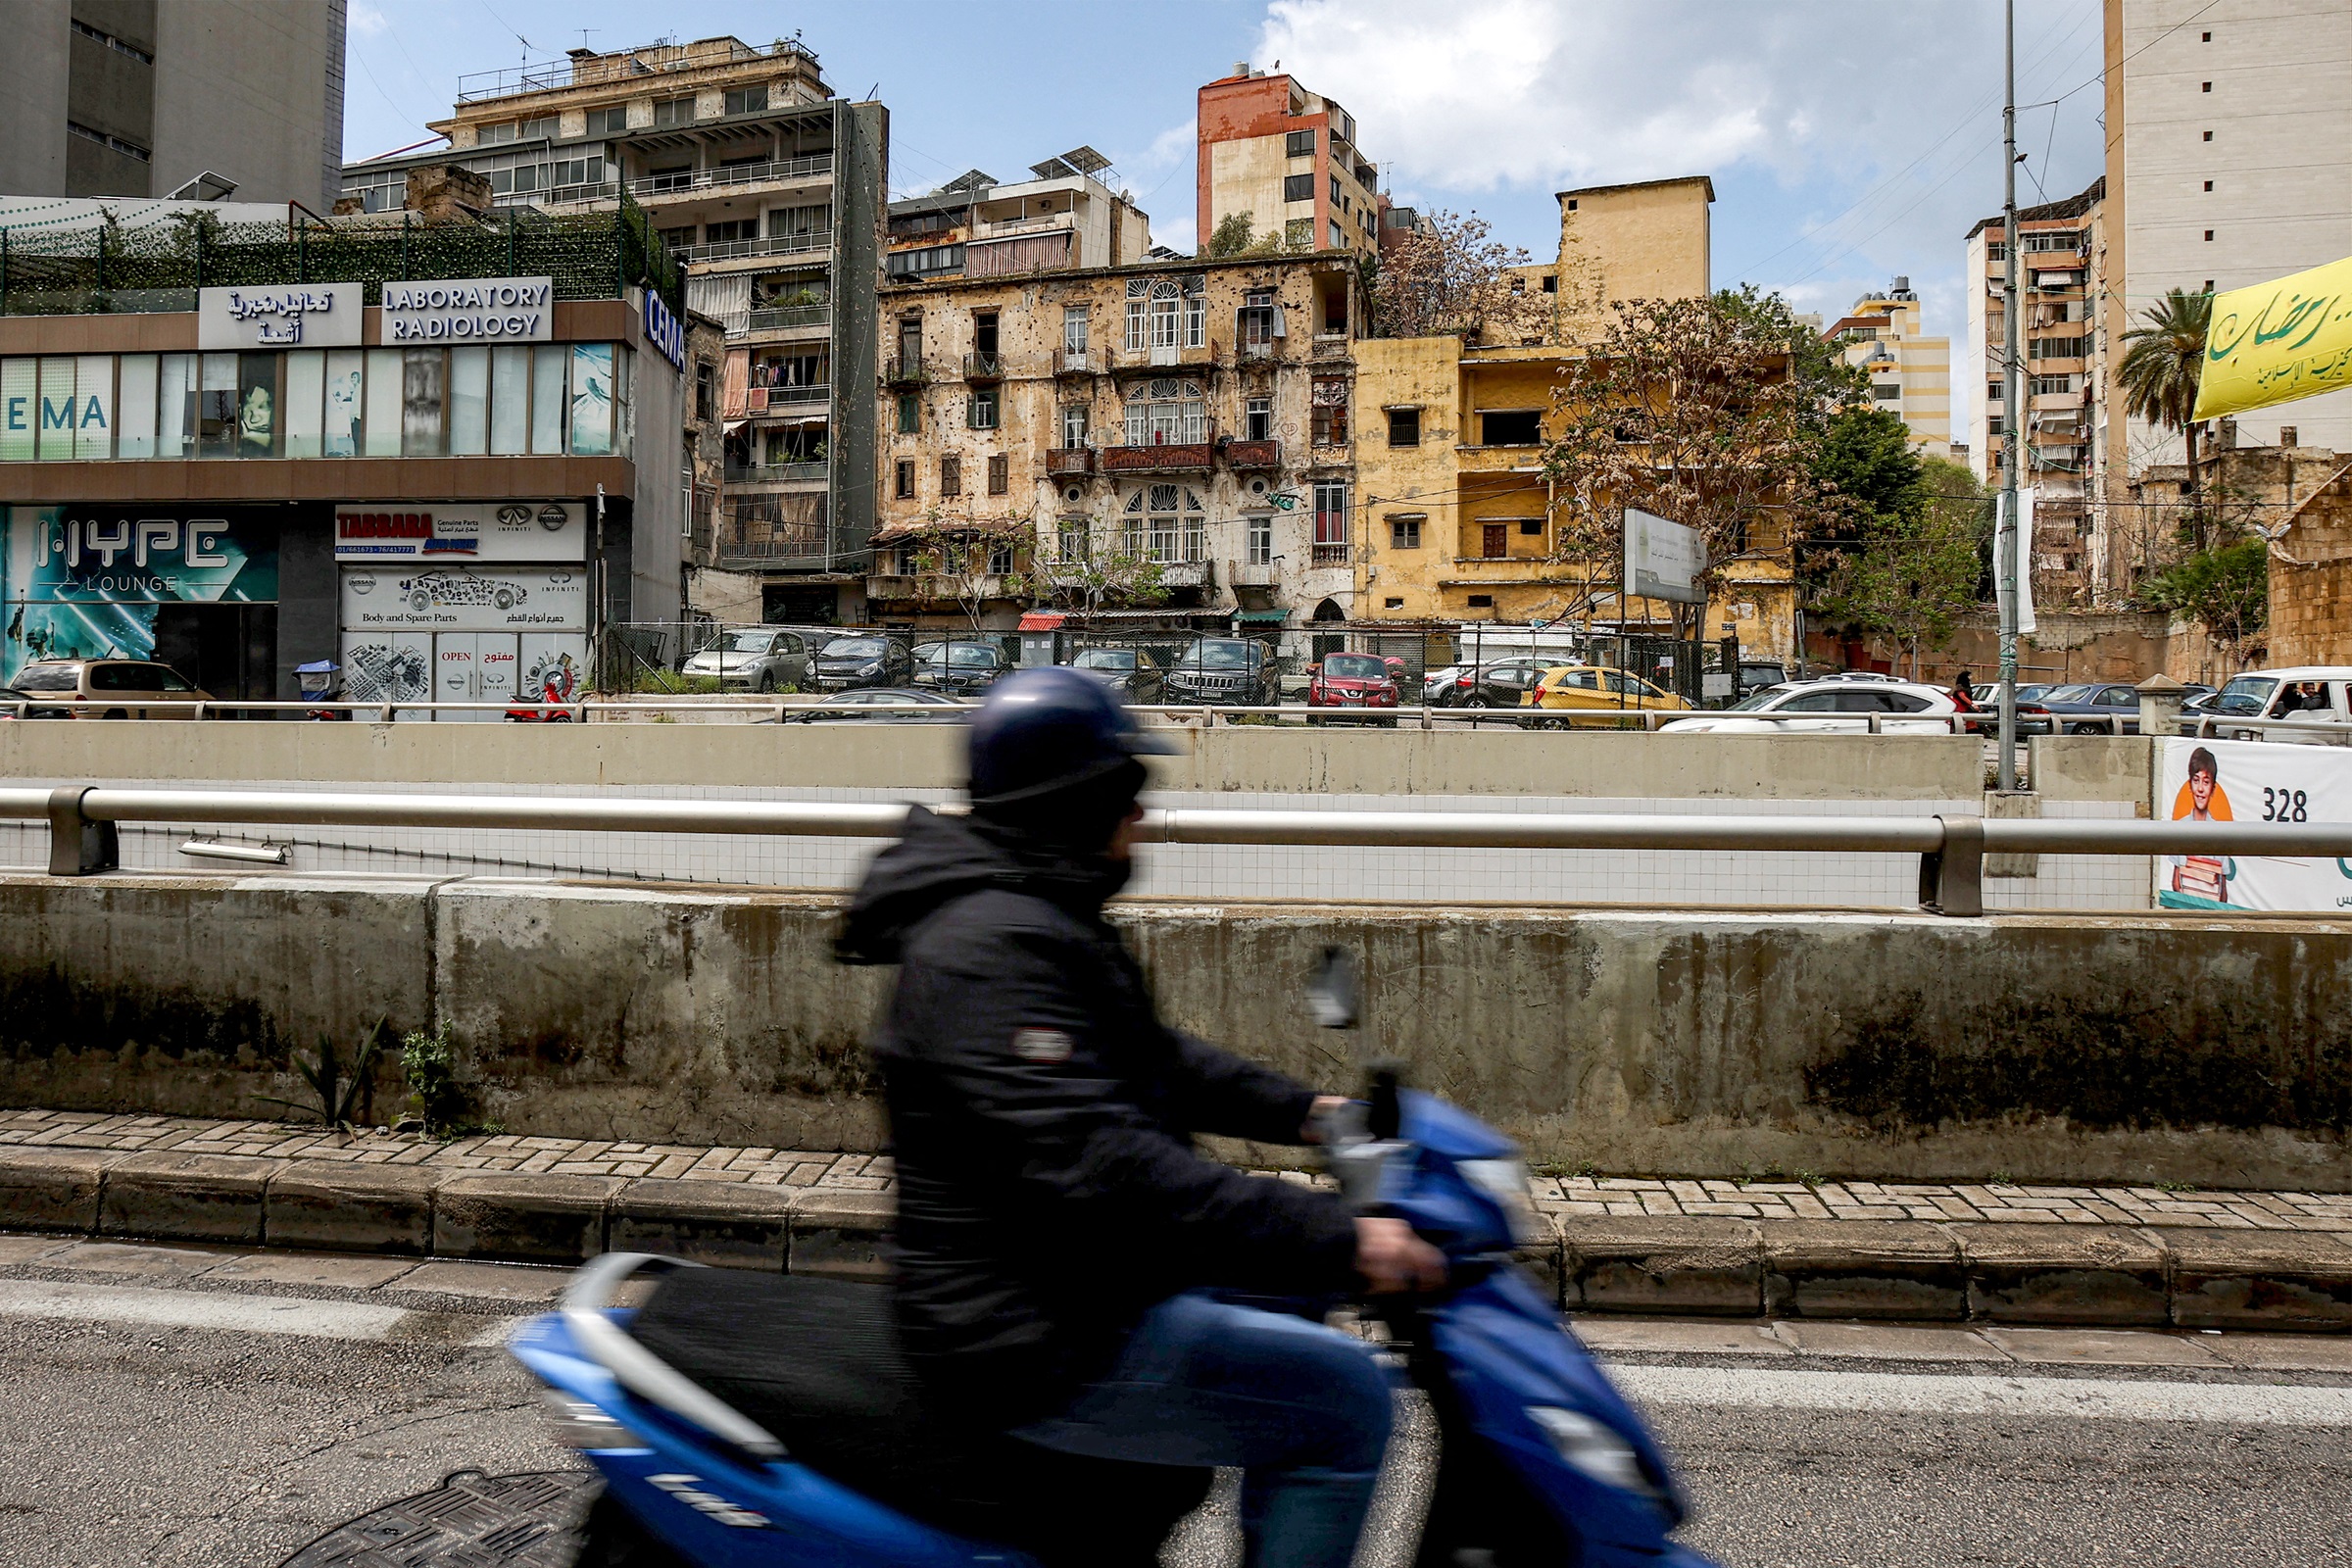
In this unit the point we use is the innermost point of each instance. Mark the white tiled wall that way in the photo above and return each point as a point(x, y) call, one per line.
point(1386, 875)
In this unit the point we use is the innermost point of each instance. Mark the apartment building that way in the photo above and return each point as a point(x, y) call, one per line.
point(1068, 216)
point(1182, 425)
point(770, 188)
point(2229, 157)
point(1910, 374)
point(159, 98)
point(2064, 267)
point(1287, 159)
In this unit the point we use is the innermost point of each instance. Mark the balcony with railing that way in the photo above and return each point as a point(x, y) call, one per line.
point(983, 366)
point(779, 473)
point(1164, 356)
point(659, 189)
point(1167, 456)
point(788, 319)
point(1339, 555)
point(773, 399)
point(624, 65)
point(732, 250)
point(1069, 462)
point(1078, 362)
point(905, 370)
point(1246, 457)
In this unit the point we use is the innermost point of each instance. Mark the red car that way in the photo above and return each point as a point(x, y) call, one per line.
point(1353, 681)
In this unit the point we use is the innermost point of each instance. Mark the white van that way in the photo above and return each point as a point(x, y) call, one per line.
point(2305, 706)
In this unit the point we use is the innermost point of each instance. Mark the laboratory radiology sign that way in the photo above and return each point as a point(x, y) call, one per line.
point(82, 581)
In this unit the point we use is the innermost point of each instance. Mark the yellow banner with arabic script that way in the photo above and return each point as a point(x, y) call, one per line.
point(2279, 341)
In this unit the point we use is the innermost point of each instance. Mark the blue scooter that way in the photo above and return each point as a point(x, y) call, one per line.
point(765, 1420)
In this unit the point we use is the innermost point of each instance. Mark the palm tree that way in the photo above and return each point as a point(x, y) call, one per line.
point(2160, 374)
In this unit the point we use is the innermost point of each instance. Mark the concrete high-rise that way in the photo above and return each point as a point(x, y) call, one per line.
point(1287, 158)
point(2229, 164)
point(1910, 374)
point(147, 98)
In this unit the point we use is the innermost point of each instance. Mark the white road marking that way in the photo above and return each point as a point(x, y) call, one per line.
point(221, 1311)
point(1929, 1394)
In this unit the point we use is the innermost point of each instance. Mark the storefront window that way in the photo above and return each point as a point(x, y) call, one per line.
point(469, 402)
point(548, 364)
point(591, 400)
point(345, 373)
point(216, 406)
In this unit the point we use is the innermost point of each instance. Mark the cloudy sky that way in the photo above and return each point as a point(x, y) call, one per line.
point(1849, 140)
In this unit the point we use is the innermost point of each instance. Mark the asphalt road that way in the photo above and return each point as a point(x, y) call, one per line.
point(183, 1407)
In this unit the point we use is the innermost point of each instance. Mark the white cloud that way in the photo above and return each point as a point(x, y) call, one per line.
point(368, 21)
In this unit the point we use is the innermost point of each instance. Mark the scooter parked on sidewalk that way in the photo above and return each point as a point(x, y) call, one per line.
point(753, 1419)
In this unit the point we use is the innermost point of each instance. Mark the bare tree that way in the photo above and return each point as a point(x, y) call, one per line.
point(1090, 576)
point(977, 561)
point(1451, 277)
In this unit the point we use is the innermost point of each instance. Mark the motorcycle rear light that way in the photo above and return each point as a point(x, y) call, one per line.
point(579, 1424)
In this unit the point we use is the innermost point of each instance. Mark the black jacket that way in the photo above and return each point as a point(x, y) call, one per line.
point(1043, 1119)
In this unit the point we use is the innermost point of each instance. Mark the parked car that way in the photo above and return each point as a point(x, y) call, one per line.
point(1359, 681)
point(1757, 673)
point(2084, 709)
point(1585, 688)
point(2292, 703)
point(1504, 683)
point(962, 668)
point(10, 697)
point(883, 704)
point(1437, 683)
point(1828, 706)
point(107, 688)
point(759, 658)
point(1125, 671)
point(860, 658)
point(1224, 671)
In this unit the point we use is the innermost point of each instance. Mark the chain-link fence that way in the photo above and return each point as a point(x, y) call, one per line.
point(160, 266)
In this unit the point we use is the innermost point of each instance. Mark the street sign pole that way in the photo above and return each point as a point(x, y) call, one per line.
point(2008, 551)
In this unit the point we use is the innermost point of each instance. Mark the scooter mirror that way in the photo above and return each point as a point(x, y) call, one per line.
point(1332, 994)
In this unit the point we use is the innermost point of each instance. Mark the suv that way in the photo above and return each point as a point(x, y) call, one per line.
point(107, 688)
point(1227, 672)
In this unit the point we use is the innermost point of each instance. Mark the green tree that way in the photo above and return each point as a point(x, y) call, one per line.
point(2226, 591)
point(1230, 237)
point(2161, 366)
point(1914, 565)
point(1815, 365)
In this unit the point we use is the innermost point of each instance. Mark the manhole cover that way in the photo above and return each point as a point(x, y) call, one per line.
point(470, 1520)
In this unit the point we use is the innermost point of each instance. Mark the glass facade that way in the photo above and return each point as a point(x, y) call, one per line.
point(550, 398)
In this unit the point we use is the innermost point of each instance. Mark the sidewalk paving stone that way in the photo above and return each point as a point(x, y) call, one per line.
point(2102, 1347)
point(1888, 1341)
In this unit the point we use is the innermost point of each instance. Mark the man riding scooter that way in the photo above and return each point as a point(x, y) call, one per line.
point(1068, 1267)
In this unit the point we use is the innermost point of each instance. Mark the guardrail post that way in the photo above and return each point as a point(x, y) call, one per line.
point(1951, 880)
point(78, 846)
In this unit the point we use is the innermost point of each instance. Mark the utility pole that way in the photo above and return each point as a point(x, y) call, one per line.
point(2007, 552)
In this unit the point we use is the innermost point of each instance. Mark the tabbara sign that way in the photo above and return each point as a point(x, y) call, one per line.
point(308, 315)
point(476, 309)
point(513, 530)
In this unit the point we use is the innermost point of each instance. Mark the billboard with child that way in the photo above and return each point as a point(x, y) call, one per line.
point(2251, 781)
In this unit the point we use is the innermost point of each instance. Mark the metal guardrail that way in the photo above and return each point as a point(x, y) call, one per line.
point(83, 841)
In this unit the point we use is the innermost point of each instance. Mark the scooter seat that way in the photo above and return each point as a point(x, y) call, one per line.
point(817, 1362)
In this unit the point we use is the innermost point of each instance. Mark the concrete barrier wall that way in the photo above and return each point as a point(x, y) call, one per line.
point(1239, 758)
point(2076, 1048)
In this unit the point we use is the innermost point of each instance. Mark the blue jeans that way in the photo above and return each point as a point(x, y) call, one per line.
point(1302, 1410)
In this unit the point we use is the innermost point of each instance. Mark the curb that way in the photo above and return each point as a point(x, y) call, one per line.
point(1696, 1267)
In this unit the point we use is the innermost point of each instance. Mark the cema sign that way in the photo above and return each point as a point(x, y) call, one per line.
point(473, 310)
point(307, 316)
point(1662, 559)
point(664, 331)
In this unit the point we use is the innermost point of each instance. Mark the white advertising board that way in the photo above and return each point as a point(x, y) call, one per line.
point(470, 310)
point(552, 531)
point(432, 597)
point(1662, 559)
point(2252, 781)
point(294, 315)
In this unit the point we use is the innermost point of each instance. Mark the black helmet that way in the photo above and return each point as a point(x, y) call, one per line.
point(1044, 731)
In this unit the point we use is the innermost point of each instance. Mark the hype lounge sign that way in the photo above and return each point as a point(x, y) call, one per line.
point(478, 310)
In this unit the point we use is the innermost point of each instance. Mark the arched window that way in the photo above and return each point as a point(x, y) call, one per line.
point(1165, 314)
point(1165, 412)
point(1166, 524)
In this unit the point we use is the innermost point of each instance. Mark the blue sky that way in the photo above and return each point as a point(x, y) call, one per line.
point(1849, 140)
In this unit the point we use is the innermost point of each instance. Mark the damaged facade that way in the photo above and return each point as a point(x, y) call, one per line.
point(1177, 433)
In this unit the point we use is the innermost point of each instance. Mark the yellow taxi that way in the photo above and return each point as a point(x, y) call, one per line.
point(1594, 687)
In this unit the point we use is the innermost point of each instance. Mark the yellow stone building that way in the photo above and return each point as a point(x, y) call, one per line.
point(1457, 520)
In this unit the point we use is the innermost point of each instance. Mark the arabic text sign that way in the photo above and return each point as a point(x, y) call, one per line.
point(2279, 341)
point(305, 315)
point(471, 310)
point(2252, 781)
